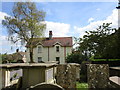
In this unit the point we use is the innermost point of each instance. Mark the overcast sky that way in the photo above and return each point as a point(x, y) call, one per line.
point(65, 19)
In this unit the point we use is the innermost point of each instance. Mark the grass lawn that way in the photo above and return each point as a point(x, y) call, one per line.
point(81, 86)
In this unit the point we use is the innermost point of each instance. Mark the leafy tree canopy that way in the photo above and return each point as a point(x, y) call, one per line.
point(25, 24)
point(102, 42)
point(76, 57)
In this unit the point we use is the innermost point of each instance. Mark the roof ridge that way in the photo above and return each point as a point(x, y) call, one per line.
point(65, 41)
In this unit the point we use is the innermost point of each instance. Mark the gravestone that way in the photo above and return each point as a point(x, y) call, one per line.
point(66, 75)
point(98, 75)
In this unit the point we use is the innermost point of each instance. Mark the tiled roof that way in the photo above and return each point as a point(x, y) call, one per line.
point(63, 41)
point(22, 53)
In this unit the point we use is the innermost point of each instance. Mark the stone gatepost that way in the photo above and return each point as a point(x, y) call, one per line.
point(98, 76)
point(66, 75)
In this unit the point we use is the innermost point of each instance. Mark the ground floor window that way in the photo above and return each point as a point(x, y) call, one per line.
point(39, 59)
point(58, 59)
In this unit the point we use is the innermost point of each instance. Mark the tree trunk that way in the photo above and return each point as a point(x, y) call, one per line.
point(31, 55)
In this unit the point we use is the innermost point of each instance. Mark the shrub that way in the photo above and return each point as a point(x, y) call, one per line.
point(75, 58)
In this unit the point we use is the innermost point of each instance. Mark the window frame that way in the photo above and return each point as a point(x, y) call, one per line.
point(57, 48)
point(39, 59)
point(57, 58)
point(39, 49)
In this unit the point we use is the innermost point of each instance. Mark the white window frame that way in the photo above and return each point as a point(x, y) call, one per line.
point(39, 49)
point(58, 49)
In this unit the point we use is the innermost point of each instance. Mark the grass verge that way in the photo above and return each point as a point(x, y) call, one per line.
point(81, 86)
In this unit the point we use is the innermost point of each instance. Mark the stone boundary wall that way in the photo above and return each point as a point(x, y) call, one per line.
point(98, 75)
point(67, 75)
point(110, 63)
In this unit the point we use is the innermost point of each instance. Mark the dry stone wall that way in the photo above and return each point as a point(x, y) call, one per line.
point(98, 75)
point(66, 76)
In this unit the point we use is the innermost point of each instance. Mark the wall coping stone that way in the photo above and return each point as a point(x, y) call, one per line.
point(116, 68)
point(24, 65)
point(115, 79)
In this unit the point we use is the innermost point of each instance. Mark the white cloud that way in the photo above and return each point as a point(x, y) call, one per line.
point(3, 40)
point(62, 29)
point(58, 29)
point(6, 45)
point(90, 20)
point(98, 9)
point(93, 25)
point(2, 14)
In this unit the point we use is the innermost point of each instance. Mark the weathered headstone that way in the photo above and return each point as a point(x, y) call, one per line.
point(66, 76)
point(98, 75)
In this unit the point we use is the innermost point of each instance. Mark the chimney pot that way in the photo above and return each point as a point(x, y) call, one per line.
point(17, 50)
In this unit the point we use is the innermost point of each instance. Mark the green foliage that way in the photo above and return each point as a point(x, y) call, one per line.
point(7, 58)
point(76, 58)
point(82, 86)
point(4, 58)
point(10, 58)
point(91, 58)
point(25, 24)
point(102, 42)
point(105, 59)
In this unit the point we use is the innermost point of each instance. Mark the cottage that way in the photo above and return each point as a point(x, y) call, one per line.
point(18, 56)
point(51, 49)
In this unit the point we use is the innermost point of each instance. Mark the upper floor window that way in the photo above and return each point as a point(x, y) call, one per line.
point(57, 49)
point(39, 49)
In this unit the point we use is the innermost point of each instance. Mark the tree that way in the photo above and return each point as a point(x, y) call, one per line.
point(26, 24)
point(76, 57)
point(116, 45)
point(5, 58)
point(100, 42)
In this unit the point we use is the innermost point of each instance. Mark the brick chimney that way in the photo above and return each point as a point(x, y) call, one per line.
point(50, 34)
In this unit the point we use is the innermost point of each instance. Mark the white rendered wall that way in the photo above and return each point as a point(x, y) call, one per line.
point(63, 51)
